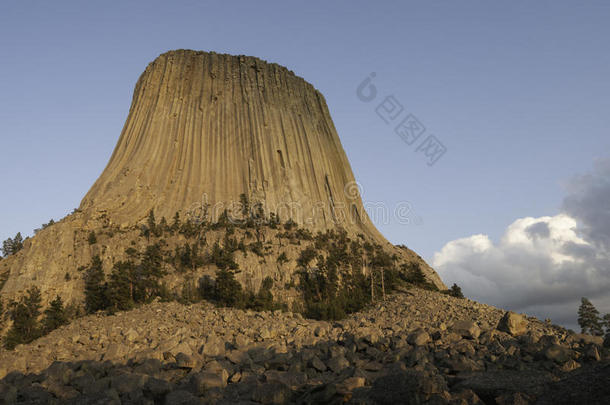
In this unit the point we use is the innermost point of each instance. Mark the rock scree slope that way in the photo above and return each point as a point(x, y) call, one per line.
point(418, 347)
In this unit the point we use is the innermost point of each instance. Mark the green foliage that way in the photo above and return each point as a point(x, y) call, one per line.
point(274, 220)
point(228, 289)
point(258, 214)
point(145, 276)
point(337, 286)
point(44, 226)
point(588, 318)
point(225, 291)
point(223, 258)
point(282, 258)
point(257, 248)
point(151, 228)
point(189, 228)
point(324, 298)
point(222, 222)
point(289, 225)
point(92, 239)
point(187, 257)
point(245, 205)
point(95, 287)
point(152, 222)
point(455, 291)
point(54, 316)
point(263, 300)
point(24, 315)
point(12, 246)
point(163, 226)
point(176, 223)
point(130, 282)
point(306, 256)
point(413, 274)
point(120, 291)
point(303, 234)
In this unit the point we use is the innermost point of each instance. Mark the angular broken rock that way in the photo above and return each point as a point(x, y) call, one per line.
point(273, 392)
point(558, 354)
point(418, 338)
point(338, 364)
point(203, 381)
point(185, 361)
point(513, 324)
point(466, 329)
point(349, 384)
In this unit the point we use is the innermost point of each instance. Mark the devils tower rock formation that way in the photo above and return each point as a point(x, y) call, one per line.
point(203, 130)
point(216, 126)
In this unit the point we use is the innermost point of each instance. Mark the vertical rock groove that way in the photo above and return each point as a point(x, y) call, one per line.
point(209, 127)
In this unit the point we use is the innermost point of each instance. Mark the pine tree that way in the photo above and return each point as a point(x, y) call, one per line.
point(176, 223)
point(7, 247)
point(306, 256)
point(17, 243)
point(54, 316)
point(588, 318)
point(455, 291)
point(12, 246)
point(121, 286)
point(152, 223)
point(245, 206)
point(416, 275)
point(147, 274)
point(95, 288)
point(228, 291)
point(186, 259)
point(24, 315)
point(163, 226)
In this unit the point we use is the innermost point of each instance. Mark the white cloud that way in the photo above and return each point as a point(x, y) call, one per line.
point(541, 266)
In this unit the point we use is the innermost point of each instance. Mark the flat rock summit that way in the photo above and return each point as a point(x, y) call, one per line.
point(206, 127)
point(225, 256)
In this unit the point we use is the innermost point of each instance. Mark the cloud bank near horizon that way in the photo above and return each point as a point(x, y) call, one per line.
point(542, 266)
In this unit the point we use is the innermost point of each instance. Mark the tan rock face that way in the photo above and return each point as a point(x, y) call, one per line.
point(203, 129)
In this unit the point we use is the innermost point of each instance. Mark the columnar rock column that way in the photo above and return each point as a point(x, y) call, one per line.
point(205, 128)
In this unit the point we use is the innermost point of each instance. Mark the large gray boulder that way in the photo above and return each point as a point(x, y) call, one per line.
point(512, 323)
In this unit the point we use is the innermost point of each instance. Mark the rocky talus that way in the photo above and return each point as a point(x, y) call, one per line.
point(415, 347)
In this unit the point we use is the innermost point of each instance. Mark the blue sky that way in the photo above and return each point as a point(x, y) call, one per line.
point(517, 92)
